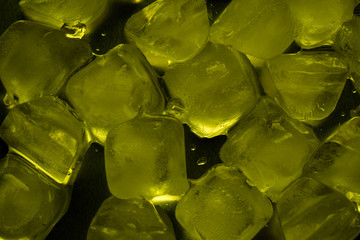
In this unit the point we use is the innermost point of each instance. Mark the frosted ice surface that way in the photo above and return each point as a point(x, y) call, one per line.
point(261, 28)
point(145, 158)
point(35, 60)
point(309, 209)
point(337, 160)
point(169, 31)
point(222, 206)
point(321, 77)
point(269, 147)
point(347, 36)
point(30, 203)
point(213, 90)
point(131, 219)
point(74, 13)
point(316, 22)
point(46, 133)
point(347, 42)
point(113, 88)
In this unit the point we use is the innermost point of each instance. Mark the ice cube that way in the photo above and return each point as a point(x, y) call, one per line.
point(222, 206)
point(47, 134)
point(169, 31)
point(316, 22)
point(213, 90)
point(261, 28)
point(347, 43)
point(337, 160)
point(309, 209)
point(347, 36)
point(73, 13)
point(145, 158)
point(269, 147)
point(113, 88)
point(132, 219)
point(308, 85)
point(30, 203)
point(35, 60)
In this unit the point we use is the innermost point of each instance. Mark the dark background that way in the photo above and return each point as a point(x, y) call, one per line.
point(90, 188)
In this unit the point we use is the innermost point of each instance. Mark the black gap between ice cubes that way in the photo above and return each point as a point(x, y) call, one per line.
point(215, 8)
point(201, 153)
point(4, 149)
point(169, 208)
point(110, 32)
point(357, 10)
point(293, 48)
point(3, 109)
point(10, 13)
point(349, 100)
point(272, 230)
point(89, 191)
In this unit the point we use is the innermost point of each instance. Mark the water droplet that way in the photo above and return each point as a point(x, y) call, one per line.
point(343, 114)
point(354, 91)
point(353, 113)
point(103, 34)
point(98, 49)
point(192, 147)
point(201, 161)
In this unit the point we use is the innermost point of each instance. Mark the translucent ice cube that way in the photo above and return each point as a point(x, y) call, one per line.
point(347, 38)
point(132, 219)
point(169, 31)
point(347, 42)
point(308, 85)
point(145, 157)
point(47, 134)
point(213, 90)
point(337, 161)
point(74, 13)
point(113, 88)
point(317, 21)
point(269, 147)
point(30, 203)
point(35, 60)
point(222, 206)
point(261, 28)
point(309, 209)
